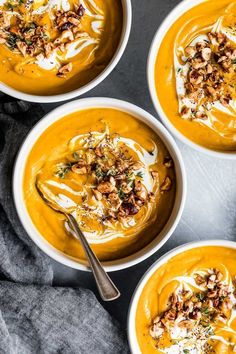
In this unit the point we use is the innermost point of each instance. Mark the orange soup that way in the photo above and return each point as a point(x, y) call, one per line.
point(195, 74)
point(54, 46)
point(189, 304)
point(108, 169)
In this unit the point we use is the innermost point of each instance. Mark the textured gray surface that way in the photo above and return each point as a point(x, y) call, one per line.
point(210, 208)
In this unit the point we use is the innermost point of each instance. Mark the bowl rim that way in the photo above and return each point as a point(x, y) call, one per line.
point(169, 20)
point(127, 22)
point(132, 338)
point(57, 114)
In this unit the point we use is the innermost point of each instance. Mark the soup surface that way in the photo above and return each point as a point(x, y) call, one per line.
point(110, 171)
point(196, 84)
point(188, 304)
point(55, 46)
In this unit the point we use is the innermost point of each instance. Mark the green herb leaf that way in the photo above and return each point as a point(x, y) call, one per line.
point(139, 174)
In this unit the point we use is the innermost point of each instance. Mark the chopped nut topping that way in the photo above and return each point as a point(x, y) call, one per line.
point(198, 312)
point(209, 62)
point(34, 40)
point(116, 177)
point(64, 70)
point(97, 194)
point(166, 185)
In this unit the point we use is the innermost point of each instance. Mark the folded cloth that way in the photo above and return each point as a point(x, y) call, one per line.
point(35, 317)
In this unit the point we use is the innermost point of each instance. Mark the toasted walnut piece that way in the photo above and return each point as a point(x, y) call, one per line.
point(140, 190)
point(212, 277)
point(197, 305)
point(22, 46)
point(216, 302)
point(157, 319)
point(64, 70)
point(126, 188)
point(225, 101)
point(186, 294)
point(106, 187)
point(166, 185)
point(154, 174)
point(112, 214)
point(170, 315)
point(189, 306)
point(185, 112)
point(209, 303)
point(196, 315)
point(112, 180)
point(113, 197)
point(136, 165)
point(78, 169)
point(210, 284)
point(206, 53)
point(198, 64)
point(201, 115)
point(212, 294)
point(219, 276)
point(191, 51)
point(199, 279)
point(74, 21)
point(98, 151)
point(122, 165)
point(156, 330)
point(209, 69)
point(97, 194)
point(67, 34)
point(48, 47)
point(221, 38)
point(220, 317)
point(168, 162)
point(211, 91)
point(195, 77)
point(129, 208)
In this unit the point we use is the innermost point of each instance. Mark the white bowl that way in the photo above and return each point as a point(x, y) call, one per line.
point(143, 116)
point(127, 19)
point(178, 11)
point(133, 342)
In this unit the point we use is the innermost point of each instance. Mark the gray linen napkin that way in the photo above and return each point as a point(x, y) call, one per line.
point(36, 318)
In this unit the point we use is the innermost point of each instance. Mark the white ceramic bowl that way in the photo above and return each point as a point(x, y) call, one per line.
point(127, 19)
point(178, 11)
point(133, 342)
point(56, 115)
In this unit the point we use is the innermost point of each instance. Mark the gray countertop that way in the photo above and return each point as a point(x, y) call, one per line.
point(210, 211)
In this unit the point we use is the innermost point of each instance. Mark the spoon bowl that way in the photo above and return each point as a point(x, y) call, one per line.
point(107, 289)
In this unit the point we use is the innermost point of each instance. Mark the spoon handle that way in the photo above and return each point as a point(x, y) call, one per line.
point(106, 287)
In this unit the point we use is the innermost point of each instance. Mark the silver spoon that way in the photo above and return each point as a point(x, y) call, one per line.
point(106, 287)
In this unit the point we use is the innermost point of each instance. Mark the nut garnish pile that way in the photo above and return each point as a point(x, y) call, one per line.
point(116, 177)
point(192, 316)
point(211, 64)
point(23, 32)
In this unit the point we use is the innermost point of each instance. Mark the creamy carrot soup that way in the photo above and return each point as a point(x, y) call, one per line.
point(52, 46)
point(117, 179)
point(189, 304)
point(195, 74)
